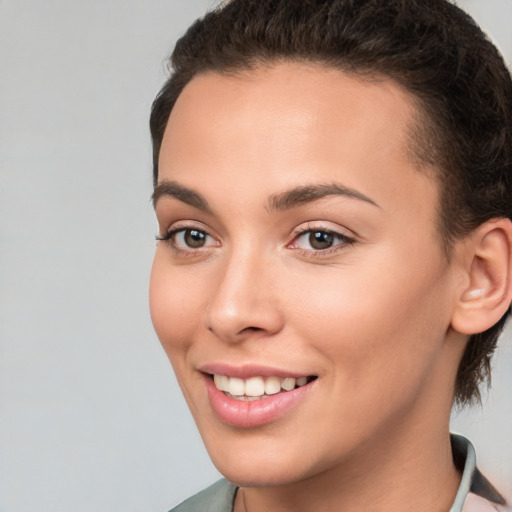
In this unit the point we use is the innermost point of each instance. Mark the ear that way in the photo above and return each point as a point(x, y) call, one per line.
point(487, 291)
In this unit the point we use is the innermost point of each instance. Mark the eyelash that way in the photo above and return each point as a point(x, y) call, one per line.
point(343, 241)
point(170, 238)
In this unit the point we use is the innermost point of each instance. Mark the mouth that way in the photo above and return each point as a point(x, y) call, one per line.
point(258, 388)
point(252, 395)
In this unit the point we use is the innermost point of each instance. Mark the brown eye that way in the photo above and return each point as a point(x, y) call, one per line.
point(188, 239)
point(321, 240)
point(194, 238)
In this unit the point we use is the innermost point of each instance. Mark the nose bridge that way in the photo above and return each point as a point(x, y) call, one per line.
point(244, 302)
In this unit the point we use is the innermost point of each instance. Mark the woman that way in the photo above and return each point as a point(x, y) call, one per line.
point(333, 187)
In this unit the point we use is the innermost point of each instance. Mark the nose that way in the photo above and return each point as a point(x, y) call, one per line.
point(245, 303)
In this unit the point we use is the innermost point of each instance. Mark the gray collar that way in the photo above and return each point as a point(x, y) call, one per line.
point(472, 480)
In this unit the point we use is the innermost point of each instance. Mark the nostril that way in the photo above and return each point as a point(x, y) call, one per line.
point(251, 329)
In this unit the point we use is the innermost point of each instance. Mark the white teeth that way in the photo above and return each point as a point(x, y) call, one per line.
point(236, 386)
point(255, 386)
point(272, 385)
point(288, 383)
point(221, 382)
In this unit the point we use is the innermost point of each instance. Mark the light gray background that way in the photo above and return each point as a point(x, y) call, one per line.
point(90, 416)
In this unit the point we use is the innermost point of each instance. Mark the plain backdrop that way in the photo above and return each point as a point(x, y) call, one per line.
point(91, 419)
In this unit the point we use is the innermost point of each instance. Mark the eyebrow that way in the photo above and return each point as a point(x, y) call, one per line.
point(309, 193)
point(180, 192)
point(277, 202)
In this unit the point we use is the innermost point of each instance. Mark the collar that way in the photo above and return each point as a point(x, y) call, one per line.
point(474, 487)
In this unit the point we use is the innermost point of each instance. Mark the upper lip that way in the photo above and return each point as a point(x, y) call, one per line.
point(245, 371)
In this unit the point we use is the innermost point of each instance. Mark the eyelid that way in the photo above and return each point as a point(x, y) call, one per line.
point(178, 225)
point(326, 226)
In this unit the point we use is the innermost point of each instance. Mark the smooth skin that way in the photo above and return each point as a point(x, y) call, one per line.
point(351, 287)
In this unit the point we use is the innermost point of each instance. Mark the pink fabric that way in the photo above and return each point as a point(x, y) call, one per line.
point(476, 503)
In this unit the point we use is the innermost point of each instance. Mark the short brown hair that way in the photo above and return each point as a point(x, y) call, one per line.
point(433, 49)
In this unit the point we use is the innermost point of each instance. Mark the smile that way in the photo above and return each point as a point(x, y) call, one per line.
point(255, 388)
point(255, 400)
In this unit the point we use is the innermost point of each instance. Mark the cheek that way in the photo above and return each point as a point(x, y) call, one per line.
point(174, 307)
point(380, 328)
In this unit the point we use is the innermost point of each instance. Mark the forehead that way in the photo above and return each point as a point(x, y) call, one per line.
point(293, 124)
point(305, 98)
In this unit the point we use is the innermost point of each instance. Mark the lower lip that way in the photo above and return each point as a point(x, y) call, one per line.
point(254, 413)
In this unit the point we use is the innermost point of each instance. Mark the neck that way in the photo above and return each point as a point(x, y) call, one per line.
point(410, 470)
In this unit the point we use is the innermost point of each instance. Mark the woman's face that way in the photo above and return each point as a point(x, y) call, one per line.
point(300, 265)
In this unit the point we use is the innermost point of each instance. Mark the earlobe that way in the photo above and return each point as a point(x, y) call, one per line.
point(489, 273)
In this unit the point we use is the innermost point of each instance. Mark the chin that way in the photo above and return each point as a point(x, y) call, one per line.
point(243, 476)
point(263, 463)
